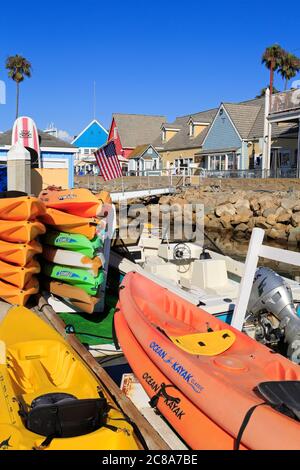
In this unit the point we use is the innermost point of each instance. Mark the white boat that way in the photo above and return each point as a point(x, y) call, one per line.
point(203, 277)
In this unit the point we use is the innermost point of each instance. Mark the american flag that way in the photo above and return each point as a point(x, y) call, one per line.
point(108, 162)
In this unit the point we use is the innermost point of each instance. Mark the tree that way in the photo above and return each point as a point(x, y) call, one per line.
point(272, 58)
point(263, 91)
point(289, 67)
point(18, 68)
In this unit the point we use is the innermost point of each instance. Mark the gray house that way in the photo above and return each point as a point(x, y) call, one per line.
point(144, 160)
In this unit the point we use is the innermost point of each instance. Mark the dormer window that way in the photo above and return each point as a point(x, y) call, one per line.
point(163, 135)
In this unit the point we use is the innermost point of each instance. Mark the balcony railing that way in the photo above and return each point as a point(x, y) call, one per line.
point(286, 101)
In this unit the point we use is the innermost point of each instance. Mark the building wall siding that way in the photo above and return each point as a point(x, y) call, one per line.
point(93, 137)
point(222, 134)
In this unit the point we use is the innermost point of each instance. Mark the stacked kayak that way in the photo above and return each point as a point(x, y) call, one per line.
point(73, 246)
point(49, 399)
point(204, 376)
point(19, 230)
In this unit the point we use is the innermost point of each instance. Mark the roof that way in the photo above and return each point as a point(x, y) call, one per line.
point(215, 151)
point(182, 139)
point(243, 117)
point(46, 140)
point(136, 129)
point(93, 135)
point(140, 150)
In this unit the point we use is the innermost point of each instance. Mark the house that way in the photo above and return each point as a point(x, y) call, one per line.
point(131, 130)
point(93, 136)
point(231, 137)
point(236, 138)
point(144, 160)
point(57, 160)
point(178, 142)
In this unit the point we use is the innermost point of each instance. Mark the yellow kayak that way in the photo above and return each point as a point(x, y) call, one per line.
point(49, 399)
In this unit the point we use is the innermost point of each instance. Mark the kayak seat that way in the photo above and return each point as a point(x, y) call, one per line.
point(63, 415)
point(283, 395)
point(205, 344)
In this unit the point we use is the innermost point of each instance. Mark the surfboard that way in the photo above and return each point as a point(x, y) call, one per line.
point(72, 258)
point(25, 132)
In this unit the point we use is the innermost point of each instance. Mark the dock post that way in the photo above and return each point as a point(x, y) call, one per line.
point(19, 169)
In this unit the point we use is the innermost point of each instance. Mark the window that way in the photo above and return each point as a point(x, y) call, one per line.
point(86, 151)
point(150, 151)
point(163, 135)
point(192, 129)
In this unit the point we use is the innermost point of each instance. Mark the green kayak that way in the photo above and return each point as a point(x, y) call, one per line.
point(78, 277)
point(73, 242)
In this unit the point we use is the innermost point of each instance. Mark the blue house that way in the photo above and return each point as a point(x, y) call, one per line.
point(230, 143)
point(87, 142)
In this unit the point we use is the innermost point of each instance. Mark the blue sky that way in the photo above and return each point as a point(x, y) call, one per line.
point(153, 57)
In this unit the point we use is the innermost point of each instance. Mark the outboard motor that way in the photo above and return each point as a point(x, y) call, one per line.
point(271, 294)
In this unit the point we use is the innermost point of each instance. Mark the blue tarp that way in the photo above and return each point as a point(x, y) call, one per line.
point(3, 178)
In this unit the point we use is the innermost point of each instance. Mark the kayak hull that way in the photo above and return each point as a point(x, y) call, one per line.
point(74, 242)
point(69, 223)
point(75, 276)
point(19, 276)
point(16, 296)
point(20, 231)
point(79, 202)
point(221, 386)
point(19, 254)
point(72, 294)
point(21, 208)
point(196, 429)
point(72, 258)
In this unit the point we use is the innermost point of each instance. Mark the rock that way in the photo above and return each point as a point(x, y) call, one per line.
point(296, 219)
point(279, 226)
point(241, 228)
point(294, 235)
point(296, 208)
point(225, 220)
point(242, 203)
point(280, 211)
point(243, 216)
point(286, 217)
point(269, 211)
point(271, 219)
point(225, 208)
point(288, 203)
point(276, 234)
point(214, 223)
point(261, 222)
point(254, 204)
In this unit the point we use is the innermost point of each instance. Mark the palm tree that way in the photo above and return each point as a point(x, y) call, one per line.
point(289, 67)
point(272, 59)
point(263, 91)
point(18, 68)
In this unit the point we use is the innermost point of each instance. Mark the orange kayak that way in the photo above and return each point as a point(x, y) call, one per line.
point(15, 296)
point(18, 253)
point(222, 385)
point(81, 202)
point(69, 223)
point(21, 208)
point(72, 294)
point(19, 276)
point(104, 197)
point(178, 410)
point(20, 231)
